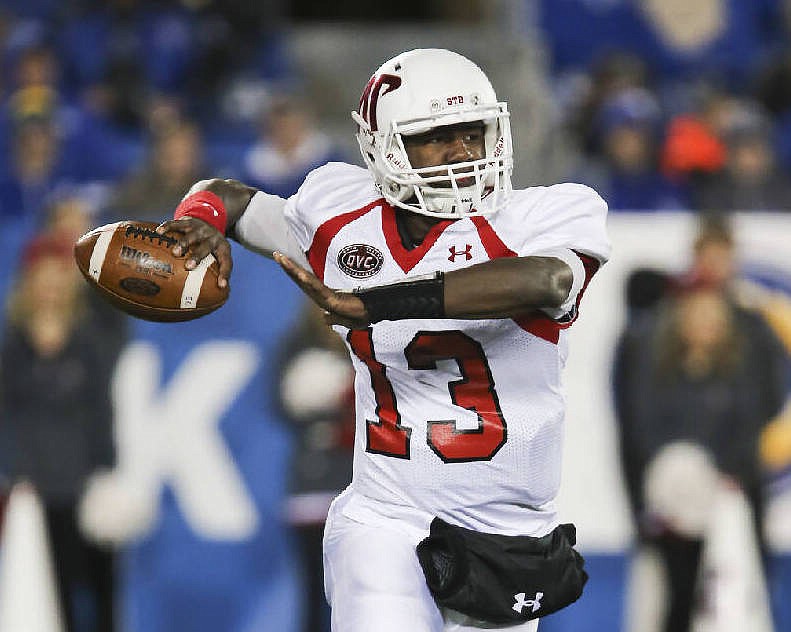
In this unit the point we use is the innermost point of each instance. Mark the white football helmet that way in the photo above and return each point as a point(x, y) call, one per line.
point(418, 91)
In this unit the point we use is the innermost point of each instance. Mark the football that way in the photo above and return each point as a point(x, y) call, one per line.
point(134, 267)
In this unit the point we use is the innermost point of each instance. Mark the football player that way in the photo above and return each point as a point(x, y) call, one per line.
point(453, 293)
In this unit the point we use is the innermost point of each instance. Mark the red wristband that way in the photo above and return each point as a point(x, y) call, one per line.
point(206, 206)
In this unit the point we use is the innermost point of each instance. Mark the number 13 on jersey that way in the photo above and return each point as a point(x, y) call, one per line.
point(474, 391)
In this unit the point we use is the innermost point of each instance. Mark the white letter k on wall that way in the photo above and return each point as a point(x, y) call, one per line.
point(170, 433)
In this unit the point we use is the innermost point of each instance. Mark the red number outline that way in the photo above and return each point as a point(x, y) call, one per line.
point(386, 436)
point(474, 391)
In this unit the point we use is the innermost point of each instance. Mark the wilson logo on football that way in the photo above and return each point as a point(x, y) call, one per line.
point(360, 261)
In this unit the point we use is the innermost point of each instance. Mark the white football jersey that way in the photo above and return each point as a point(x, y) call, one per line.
point(462, 419)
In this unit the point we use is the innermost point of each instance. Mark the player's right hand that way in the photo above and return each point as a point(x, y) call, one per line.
point(340, 308)
point(200, 239)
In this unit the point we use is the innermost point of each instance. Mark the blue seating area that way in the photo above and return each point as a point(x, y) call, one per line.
point(727, 56)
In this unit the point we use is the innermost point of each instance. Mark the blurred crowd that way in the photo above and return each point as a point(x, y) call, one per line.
point(670, 105)
point(123, 104)
point(675, 105)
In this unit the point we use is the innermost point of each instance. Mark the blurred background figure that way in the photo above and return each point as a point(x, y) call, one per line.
point(714, 260)
point(627, 127)
point(289, 147)
point(696, 368)
point(316, 395)
point(57, 418)
point(174, 163)
point(750, 179)
point(34, 173)
point(726, 40)
point(610, 75)
point(693, 147)
point(69, 216)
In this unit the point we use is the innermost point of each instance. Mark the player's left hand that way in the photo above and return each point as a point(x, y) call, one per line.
point(341, 308)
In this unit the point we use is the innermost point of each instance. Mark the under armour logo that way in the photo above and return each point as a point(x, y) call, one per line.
point(467, 252)
point(521, 602)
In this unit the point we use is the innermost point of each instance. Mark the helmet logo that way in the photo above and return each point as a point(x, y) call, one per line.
point(377, 86)
point(360, 261)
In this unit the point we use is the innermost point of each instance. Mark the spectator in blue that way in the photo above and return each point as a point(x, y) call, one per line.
point(627, 127)
point(611, 74)
point(289, 147)
point(726, 39)
point(35, 171)
point(30, 90)
point(750, 179)
point(121, 54)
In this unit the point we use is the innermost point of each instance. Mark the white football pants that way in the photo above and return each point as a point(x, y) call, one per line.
point(374, 582)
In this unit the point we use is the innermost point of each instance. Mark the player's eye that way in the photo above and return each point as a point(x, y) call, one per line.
point(443, 137)
point(473, 135)
point(423, 139)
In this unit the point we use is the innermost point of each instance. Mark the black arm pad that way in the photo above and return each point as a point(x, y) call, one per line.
point(417, 298)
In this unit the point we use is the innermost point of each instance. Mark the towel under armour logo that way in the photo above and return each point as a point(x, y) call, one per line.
point(521, 602)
